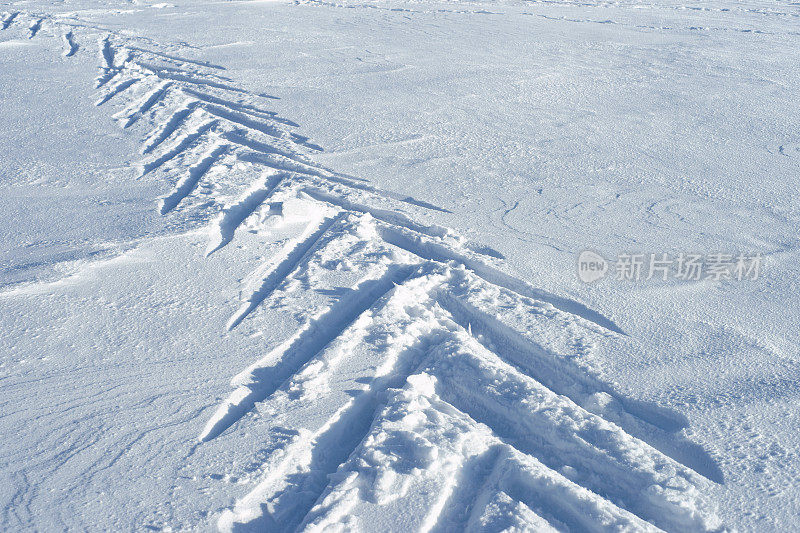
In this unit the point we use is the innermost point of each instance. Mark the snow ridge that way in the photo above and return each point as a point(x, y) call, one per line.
point(437, 381)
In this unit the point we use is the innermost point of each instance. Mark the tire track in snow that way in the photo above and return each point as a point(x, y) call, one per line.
point(458, 350)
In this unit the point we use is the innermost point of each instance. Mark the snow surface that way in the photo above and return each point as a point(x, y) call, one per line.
point(312, 265)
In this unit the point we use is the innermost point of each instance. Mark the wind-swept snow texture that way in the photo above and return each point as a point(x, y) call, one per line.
point(424, 388)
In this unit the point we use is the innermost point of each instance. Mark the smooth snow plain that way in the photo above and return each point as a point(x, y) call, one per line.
point(274, 266)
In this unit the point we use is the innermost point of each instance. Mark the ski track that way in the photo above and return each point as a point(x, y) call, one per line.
point(449, 384)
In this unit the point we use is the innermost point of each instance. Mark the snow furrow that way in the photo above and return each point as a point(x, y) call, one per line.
point(34, 28)
point(293, 255)
point(136, 110)
point(8, 20)
point(172, 124)
point(297, 351)
point(116, 89)
point(71, 46)
point(237, 106)
point(301, 476)
point(234, 215)
point(181, 145)
point(656, 425)
point(565, 437)
point(193, 175)
point(429, 249)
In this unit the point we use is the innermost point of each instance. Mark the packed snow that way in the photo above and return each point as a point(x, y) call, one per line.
point(399, 265)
